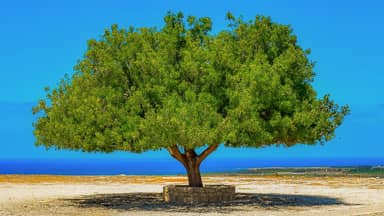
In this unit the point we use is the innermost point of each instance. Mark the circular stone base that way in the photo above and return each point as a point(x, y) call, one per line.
point(183, 194)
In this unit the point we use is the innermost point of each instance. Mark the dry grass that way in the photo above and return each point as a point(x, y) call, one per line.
point(374, 183)
point(48, 179)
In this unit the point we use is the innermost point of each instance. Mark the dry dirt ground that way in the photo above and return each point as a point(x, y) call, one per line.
point(138, 195)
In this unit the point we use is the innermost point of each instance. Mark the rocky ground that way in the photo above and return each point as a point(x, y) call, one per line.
point(139, 195)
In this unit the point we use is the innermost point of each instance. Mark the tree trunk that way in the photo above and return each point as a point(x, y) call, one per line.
point(193, 171)
point(191, 161)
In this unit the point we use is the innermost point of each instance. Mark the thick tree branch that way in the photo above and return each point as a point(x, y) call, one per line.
point(206, 152)
point(190, 153)
point(175, 153)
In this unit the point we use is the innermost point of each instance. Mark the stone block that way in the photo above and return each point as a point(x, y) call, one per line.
point(182, 194)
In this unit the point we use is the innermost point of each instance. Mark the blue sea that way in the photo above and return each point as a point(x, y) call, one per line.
point(161, 166)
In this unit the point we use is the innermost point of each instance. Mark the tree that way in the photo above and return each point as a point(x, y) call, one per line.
point(183, 88)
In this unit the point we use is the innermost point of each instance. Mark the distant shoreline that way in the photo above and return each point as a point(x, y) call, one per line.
point(169, 166)
point(361, 171)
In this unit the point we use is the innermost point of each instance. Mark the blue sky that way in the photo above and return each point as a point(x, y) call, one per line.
point(40, 41)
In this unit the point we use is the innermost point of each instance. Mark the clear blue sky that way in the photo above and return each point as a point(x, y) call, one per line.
point(40, 41)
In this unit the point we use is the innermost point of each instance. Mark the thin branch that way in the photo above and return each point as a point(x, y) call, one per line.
point(206, 152)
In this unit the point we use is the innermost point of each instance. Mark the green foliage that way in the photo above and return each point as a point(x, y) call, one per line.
point(138, 89)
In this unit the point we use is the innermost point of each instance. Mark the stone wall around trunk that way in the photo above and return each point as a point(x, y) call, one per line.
point(183, 194)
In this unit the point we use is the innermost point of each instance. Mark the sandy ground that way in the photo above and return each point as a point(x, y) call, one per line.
point(135, 195)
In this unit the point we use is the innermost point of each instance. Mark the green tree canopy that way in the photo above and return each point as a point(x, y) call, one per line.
point(181, 87)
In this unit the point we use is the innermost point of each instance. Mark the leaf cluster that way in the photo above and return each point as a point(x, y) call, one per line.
point(142, 88)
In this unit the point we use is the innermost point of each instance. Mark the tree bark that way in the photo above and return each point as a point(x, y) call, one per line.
point(193, 168)
point(194, 176)
point(191, 161)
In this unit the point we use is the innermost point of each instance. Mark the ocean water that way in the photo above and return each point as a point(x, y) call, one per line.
point(163, 166)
